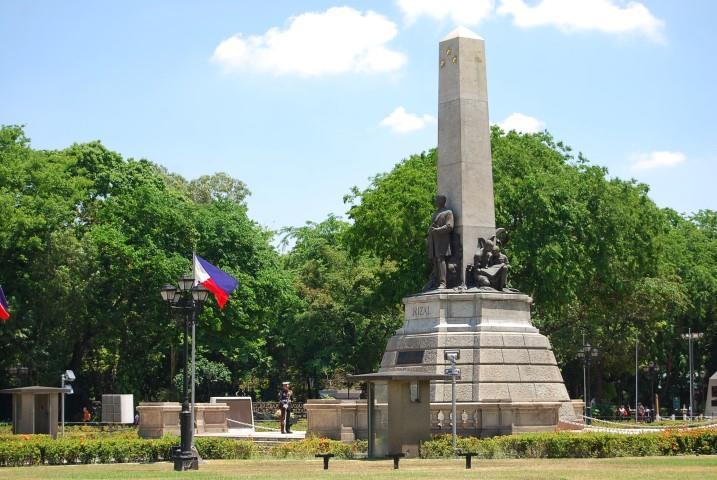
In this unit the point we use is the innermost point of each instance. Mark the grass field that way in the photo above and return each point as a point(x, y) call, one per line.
point(652, 468)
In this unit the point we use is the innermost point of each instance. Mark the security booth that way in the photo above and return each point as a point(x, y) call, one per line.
point(35, 409)
point(399, 415)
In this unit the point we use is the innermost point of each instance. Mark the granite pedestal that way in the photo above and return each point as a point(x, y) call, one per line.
point(510, 381)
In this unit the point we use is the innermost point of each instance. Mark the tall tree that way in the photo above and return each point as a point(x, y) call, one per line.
point(90, 237)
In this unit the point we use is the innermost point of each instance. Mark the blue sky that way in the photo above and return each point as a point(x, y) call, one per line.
point(302, 100)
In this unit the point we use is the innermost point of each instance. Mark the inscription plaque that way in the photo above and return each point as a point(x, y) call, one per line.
point(420, 310)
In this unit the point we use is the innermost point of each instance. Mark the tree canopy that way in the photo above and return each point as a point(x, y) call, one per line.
point(598, 257)
point(89, 237)
point(88, 240)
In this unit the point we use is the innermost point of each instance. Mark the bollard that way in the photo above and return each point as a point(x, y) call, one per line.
point(469, 458)
point(396, 457)
point(326, 457)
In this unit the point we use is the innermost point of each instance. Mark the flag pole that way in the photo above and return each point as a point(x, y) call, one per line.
point(194, 369)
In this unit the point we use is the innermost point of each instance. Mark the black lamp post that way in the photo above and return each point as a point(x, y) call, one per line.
point(588, 354)
point(652, 369)
point(185, 301)
point(691, 337)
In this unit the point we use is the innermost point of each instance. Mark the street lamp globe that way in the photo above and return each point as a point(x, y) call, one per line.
point(200, 293)
point(186, 282)
point(167, 292)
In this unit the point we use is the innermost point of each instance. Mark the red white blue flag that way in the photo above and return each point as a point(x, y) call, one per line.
point(220, 283)
point(4, 307)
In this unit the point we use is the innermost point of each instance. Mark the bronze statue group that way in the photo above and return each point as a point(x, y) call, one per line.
point(489, 270)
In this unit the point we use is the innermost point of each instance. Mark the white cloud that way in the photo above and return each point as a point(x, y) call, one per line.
point(652, 160)
point(400, 121)
point(469, 12)
point(338, 40)
point(521, 124)
point(607, 16)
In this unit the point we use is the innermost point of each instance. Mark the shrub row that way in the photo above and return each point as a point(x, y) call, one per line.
point(40, 449)
point(310, 446)
point(22, 450)
point(578, 445)
point(19, 450)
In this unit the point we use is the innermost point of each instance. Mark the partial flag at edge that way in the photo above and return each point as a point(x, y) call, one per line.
point(4, 307)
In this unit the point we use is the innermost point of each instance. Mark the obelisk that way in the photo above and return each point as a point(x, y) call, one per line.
point(465, 168)
point(510, 381)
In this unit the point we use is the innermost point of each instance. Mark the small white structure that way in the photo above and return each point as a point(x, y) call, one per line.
point(118, 408)
point(711, 404)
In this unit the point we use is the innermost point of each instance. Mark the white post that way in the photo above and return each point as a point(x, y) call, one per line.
point(585, 383)
point(62, 403)
point(453, 408)
point(452, 357)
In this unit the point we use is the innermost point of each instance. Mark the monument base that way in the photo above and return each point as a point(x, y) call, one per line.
point(509, 379)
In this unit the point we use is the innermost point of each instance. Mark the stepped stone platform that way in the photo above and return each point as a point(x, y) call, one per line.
point(510, 381)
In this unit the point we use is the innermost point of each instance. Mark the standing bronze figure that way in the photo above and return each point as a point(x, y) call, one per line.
point(439, 242)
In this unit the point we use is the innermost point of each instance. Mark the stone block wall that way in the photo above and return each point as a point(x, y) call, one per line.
point(157, 419)
point(345, 420)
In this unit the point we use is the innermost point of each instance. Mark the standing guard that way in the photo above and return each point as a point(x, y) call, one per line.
point(285, 395)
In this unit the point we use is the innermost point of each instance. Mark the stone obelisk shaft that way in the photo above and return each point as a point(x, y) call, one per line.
point(465, 168)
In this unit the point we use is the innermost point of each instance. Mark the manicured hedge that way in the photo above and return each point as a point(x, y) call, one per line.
point(578, 445)
point(19, 450)
point(40, 449)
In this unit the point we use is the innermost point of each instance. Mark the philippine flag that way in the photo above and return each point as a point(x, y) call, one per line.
point(4, 308)
point(220, 283)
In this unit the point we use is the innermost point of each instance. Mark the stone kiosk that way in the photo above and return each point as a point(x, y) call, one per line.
point(398, 411)
point(510, 381)
point(35, 409)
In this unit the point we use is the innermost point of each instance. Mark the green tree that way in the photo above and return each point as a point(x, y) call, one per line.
point(219, 186)
point(210, 378)
point(338, 327)
point(90, 237)
point(587, 248)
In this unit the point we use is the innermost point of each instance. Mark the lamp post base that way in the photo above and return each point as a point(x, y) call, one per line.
point(184, 461)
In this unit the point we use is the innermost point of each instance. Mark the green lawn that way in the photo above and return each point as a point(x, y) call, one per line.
point(652, 468)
